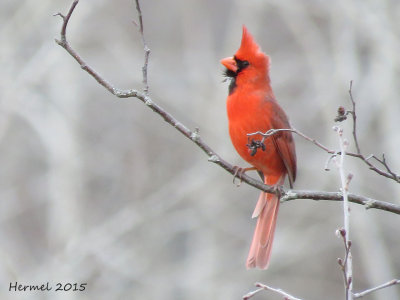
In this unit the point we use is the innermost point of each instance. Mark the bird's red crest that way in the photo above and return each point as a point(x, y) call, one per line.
point(248, 47)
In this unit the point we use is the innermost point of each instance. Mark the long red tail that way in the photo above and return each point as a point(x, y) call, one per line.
point(260, 250)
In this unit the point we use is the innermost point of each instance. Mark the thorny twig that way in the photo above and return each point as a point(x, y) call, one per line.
point(195, 137)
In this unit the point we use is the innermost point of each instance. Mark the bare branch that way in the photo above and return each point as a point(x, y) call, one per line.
point(389, 174)
point(66, 19)
point(194, 136)
point(343, 263)
point(261, 286)
point(275, 131)
point(347, 265)
point(337, 196)
point(252, 293)
point(382, 286)
point(146, 49)
point(384, 163)
point(353, 113)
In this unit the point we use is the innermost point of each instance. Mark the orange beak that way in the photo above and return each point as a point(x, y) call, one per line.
point(230, 64)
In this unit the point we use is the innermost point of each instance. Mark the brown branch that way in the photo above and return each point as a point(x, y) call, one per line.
point(337, 196)
point(146, 49)
point(195, 137)
point(66, 19)
point(388, 173)
point(353, 114)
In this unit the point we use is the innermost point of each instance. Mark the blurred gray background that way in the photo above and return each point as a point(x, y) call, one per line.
point(100, 190)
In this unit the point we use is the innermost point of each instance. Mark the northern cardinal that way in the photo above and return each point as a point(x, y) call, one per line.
point(252, 107)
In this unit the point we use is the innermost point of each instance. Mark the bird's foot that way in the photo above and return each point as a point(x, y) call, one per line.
point(239, 172)
point(279, 191)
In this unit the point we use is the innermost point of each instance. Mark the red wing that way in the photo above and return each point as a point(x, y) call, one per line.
point(284, 142)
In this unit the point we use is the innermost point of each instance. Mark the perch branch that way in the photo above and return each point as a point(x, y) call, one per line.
point(337, 196)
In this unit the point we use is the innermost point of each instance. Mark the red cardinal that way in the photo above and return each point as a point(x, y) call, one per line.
point(252, 107)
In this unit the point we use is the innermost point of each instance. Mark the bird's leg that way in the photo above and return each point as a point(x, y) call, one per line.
point(239, 173)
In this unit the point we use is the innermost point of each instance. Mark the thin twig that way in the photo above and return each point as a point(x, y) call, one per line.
point(275, 131)
point(252, 293)
point(389, 174)
point(194, 136)
point(384, 163)
point(262, 286)
point(382, 286)
point(343, 262)
point(353, 113)
point(146, 49)
point(66, 19)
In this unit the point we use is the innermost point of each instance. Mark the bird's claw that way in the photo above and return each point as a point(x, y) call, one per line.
point(238, 173)
point(279, 192)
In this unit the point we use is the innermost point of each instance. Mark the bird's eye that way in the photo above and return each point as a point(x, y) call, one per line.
point(242, 64)
point(245, 63)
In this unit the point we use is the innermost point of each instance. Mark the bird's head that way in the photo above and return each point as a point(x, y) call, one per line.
point(249, 65)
